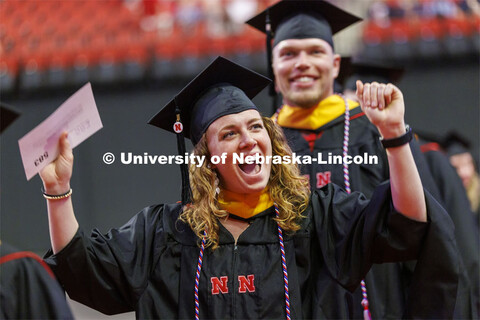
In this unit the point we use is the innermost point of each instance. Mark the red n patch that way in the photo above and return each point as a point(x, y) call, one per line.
point(219, 285)
point(245, 284)
point(323, 178)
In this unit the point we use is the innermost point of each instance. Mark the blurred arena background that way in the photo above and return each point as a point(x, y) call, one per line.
point(138, 53)
point(55, 44)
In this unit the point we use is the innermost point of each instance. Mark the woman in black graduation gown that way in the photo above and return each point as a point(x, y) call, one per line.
point(251, 242)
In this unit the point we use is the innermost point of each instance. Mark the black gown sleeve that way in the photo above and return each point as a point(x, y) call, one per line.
point(28, 288)
point(110, 272)
point(467, 236)
point(354, 233)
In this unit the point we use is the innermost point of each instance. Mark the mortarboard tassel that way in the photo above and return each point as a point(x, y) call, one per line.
point(178, 128)
point(271, 89)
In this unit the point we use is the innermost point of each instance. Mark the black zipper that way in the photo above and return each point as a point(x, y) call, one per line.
point(234, 293)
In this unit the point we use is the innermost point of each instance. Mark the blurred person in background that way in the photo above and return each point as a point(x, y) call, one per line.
point(189, 15)
point(444, 183)
point(28, 287)
point(460, 156)
point(238, 11)
point(158, 15)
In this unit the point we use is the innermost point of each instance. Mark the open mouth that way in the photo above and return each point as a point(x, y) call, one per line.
point(253, 168)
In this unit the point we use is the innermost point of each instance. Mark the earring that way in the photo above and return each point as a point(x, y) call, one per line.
point(215, 183)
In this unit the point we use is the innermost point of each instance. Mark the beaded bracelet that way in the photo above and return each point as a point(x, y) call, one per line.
point(57, 197)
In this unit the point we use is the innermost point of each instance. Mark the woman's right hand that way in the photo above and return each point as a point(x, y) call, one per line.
point(56, 175)
point(56, 181)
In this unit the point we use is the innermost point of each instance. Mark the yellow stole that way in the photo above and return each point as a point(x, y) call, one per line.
point(245, 205)
point(314, 117)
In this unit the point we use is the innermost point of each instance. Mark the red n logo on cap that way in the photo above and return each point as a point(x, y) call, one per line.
point(178, 127)
point(245, 284)
point(219, 285)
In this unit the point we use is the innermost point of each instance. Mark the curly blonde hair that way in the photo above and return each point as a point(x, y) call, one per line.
point(288, 189)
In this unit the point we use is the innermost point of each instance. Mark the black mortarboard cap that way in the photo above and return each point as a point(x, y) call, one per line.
point(454, 143)
point(7, 116)
point(290, 19)
point(222, 88)
point(293, 19)
point(368, 70)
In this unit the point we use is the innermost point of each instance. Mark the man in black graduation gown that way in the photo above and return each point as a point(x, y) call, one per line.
point(318, 122)
point(444, 184)
point(28, 287)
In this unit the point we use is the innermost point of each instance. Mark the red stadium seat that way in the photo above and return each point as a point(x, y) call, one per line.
point(431, 34)
point(375, 40)
point(458, 35)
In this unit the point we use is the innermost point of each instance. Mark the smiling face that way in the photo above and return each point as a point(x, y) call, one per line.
point(243, 133)
point(304, 71)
